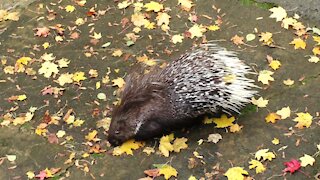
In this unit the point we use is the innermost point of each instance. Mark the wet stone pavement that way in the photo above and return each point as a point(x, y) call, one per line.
point(39, 143)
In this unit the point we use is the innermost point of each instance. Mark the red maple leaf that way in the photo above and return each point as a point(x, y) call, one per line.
point(292, 166)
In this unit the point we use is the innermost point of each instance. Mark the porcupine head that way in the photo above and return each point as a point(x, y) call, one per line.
point(143, 109)
point(207, 80)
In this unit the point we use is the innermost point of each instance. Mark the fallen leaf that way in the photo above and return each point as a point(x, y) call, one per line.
point(288, 82)
point(78, 76)
point(127, 147)
point(177, 38)
point(316, 50)
point(303, 119)
point(259, 102)
point(275, 141)
point(265, 76)
point(257, 165)
point(307, 160)
point(118, 82)
point(298, 43)
point(179, 143)
point(314, 59)
point(264, 155)
point(48, 69)
point(278, 13)
point(237, 40)
point(165, 146)
point(266, 38)
point(272, 117)
point(250, 37)
point(185, 4)
point(292, 166)
point(197, 31)
point(284, 113)
point(166, 170)
point(236, 173)
point(275, 64)
point(235, 128)
point(70, 8)
point(153, 6)
point(223, 121)
point(213, 27)
point(214, 138)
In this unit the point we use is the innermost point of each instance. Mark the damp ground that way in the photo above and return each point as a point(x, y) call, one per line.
point(36, 153)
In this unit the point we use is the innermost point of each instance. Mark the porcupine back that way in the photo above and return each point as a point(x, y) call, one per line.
point(208, 80)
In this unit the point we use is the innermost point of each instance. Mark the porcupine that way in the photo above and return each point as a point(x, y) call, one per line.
point(207, 80)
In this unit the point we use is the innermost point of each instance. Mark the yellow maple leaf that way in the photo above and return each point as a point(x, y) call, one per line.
point(303, 119)
point(96, 35)
point(284, 113)
point(48, 69)
point(138, 19)
point(124, 4)
point(165, 146)
point(21, 62)
point(177, 38)
point(258, 165)
point(316, 50)
point(8, 70)
point(265, 76)
point(316, 39)
point(259, 102)
point(168, 171)
point(127, 147)
point(46, 45)
point(70, 8)
point(163, 18)
point(224, 121)
point(235, 128)
point(307, 160)
point(117, 53)
point(65, 78)
point(78, 122)
point(22, 97)
point(266, 38)
point(288, 82)
point(314, 59)
point(92, 135)
point(63, 62)
point(275, 141)
point(78, 76)
point(118, 82)
point(197, 30)
point(278, 13)
point(149, 25)
point(298, 43)
point(30, 175)
point(60, 133)
point(148, 150)
point(153, 6)
point(264, 155)
point(179, 143)
point(286, 22)
point(185, 4)
point(275, 64)
point(236, 173)
point(79, 21)
point(213, 27)
point(272, 117)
